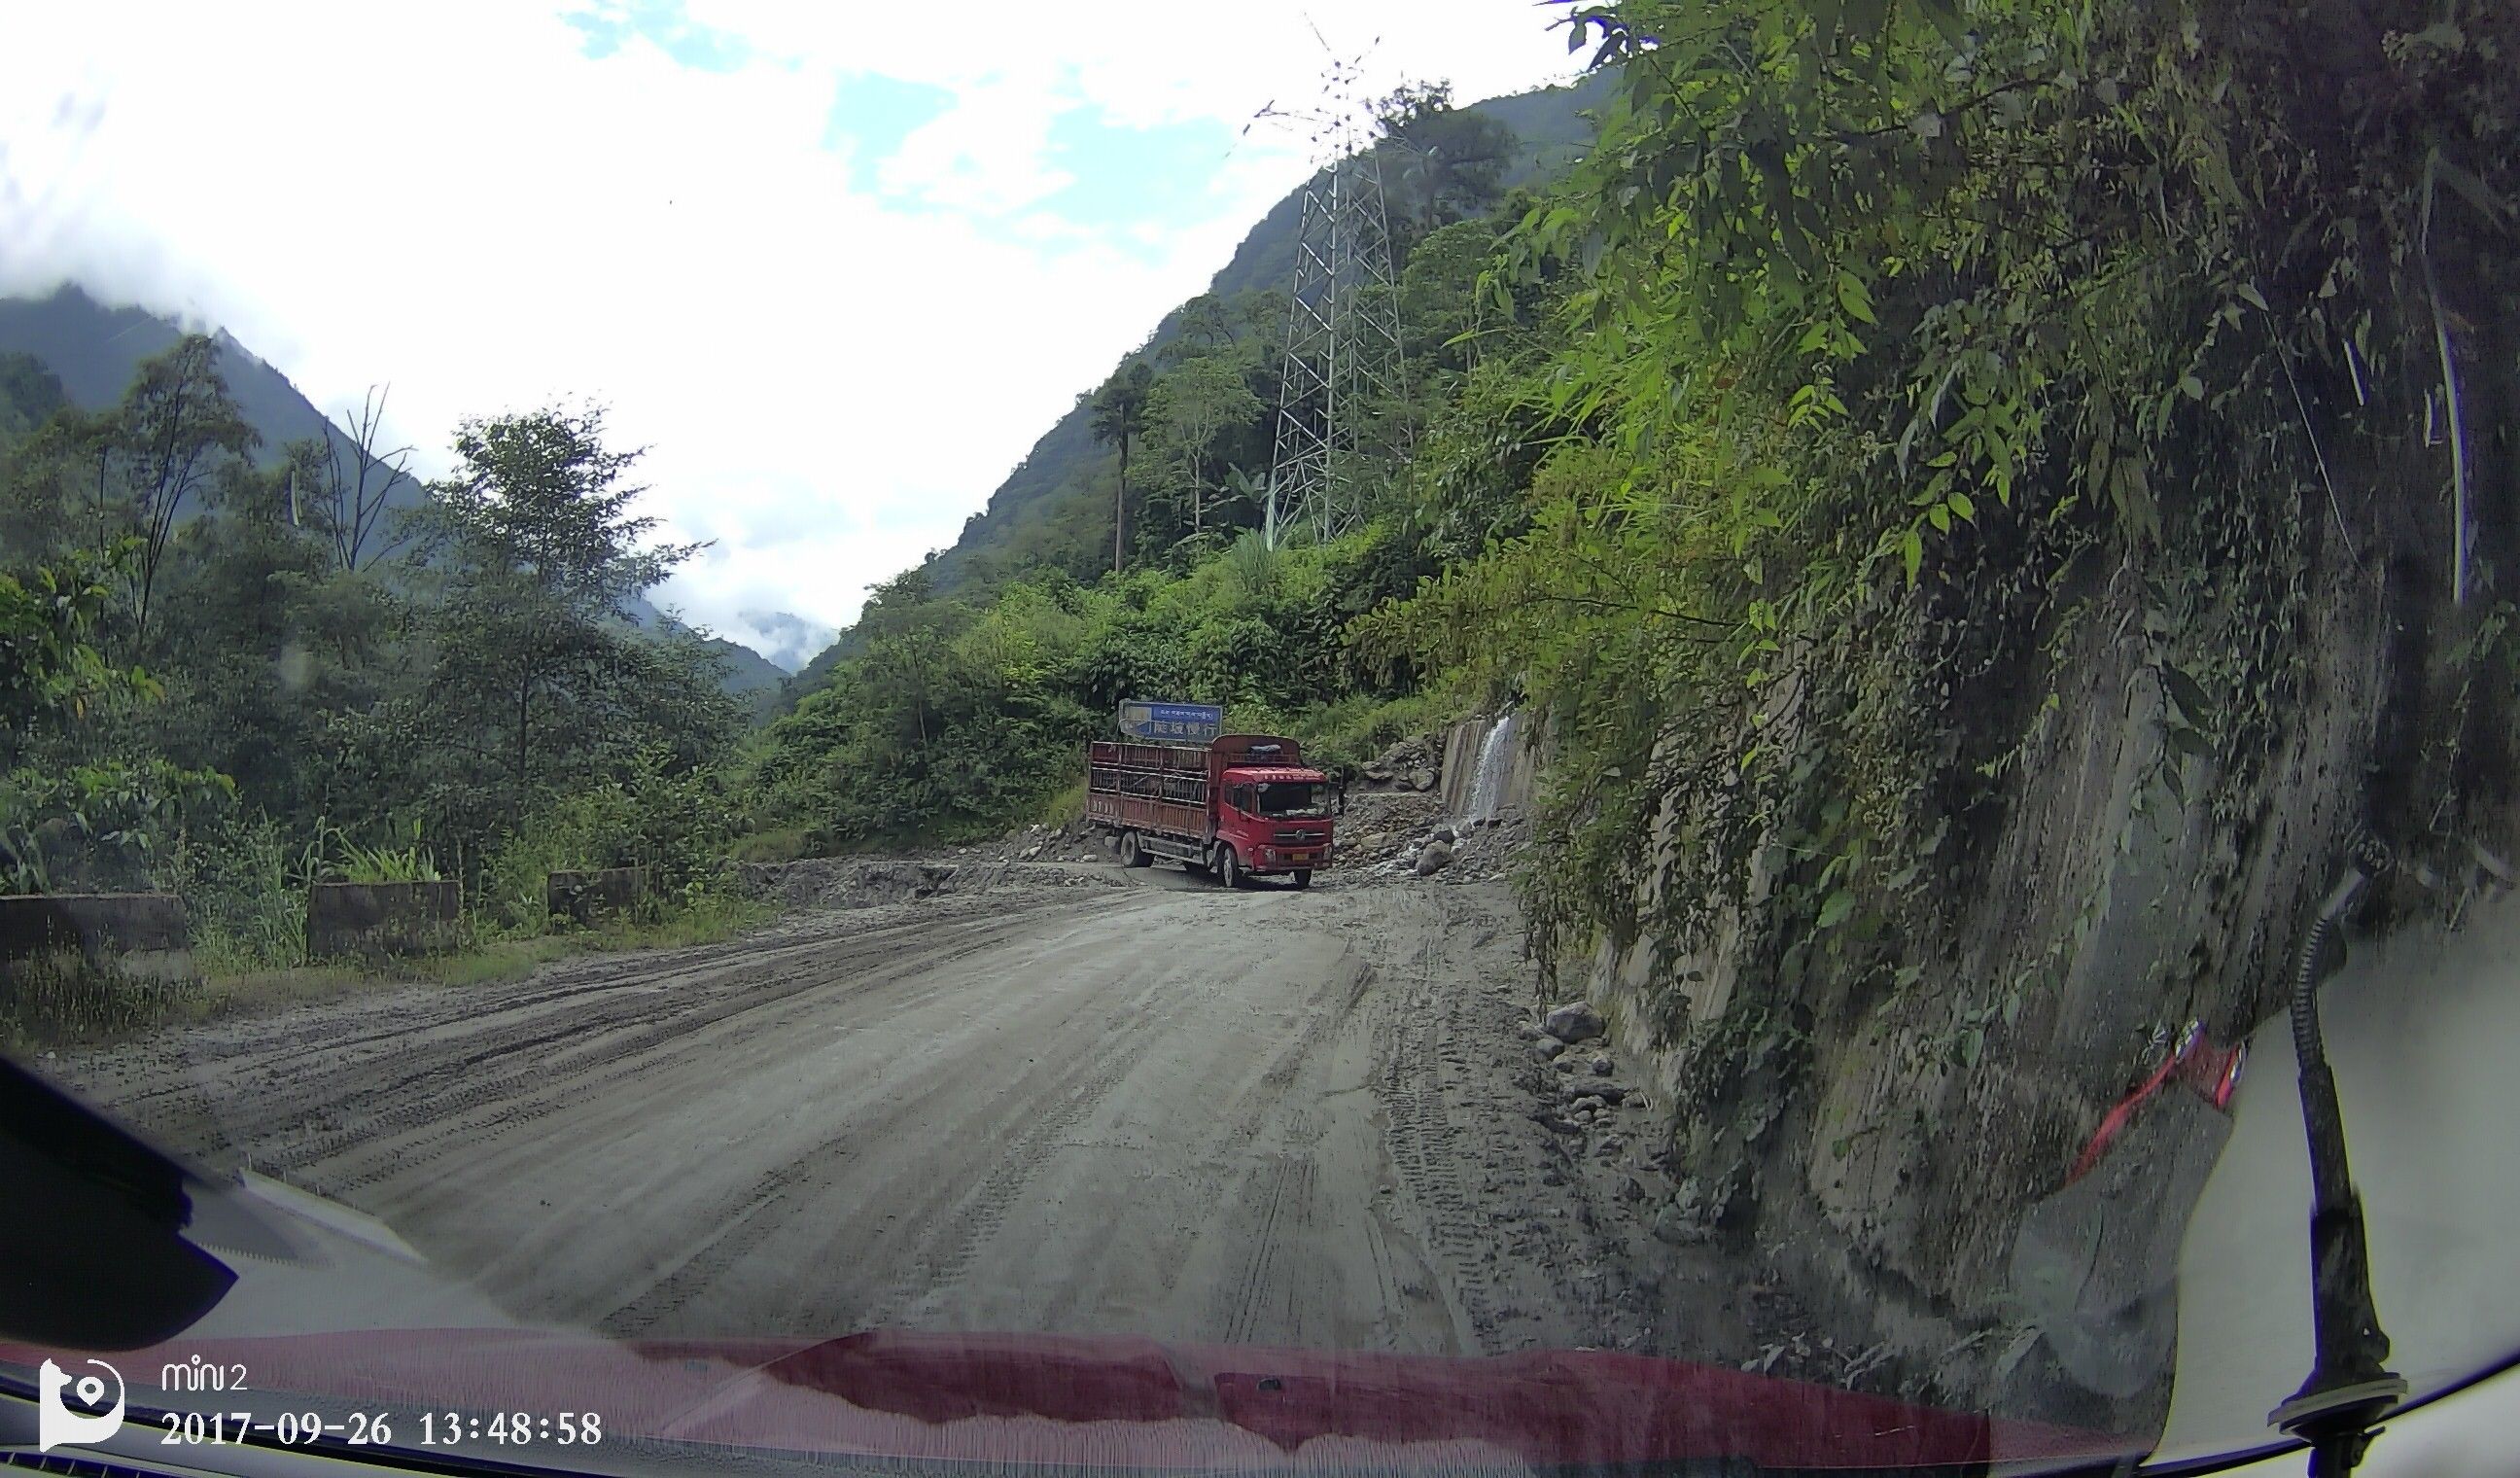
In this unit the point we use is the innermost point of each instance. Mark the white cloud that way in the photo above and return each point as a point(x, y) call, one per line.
point(831, 371)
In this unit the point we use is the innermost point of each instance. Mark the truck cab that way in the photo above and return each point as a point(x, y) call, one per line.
point(1277, 819)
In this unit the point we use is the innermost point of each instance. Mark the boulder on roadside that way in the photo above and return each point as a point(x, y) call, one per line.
point(1581, 1086)
point(1680, 1225)
point(1421, 780)
point(1432, 859)
point(1445, 835)
point(1549, 1046)
point(1574, 1021)
point(1600, 1066)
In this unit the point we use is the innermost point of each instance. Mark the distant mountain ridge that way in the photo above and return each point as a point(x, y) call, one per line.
point(93, 349)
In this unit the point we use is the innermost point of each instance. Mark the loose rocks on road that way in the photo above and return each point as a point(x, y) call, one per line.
point(1575, 1021)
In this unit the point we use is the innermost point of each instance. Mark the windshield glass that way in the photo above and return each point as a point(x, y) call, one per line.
point(638, 644)
point(1293, 798)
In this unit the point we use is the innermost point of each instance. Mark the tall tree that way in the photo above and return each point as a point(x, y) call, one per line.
point(1120, 417)
point(30, 393)
point(536, 550)
point(70, 815)
point(1192, 407)
point(1207, 325)
point(265, 639)
point(178, 427)
point(1453, 159)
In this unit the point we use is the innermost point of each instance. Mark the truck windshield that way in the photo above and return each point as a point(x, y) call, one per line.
point(1293, 798)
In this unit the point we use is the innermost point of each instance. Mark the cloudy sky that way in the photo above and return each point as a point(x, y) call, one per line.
point(835, 264)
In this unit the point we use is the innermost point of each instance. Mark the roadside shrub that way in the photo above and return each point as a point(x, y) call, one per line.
point(58, 997)
point(245, 882)
point(679, 826)
point(1356, 731)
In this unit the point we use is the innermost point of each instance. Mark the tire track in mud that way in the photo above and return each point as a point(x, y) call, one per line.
point(960, 1217)
point(945, 1257)
point(1466, 1150)
point(521, 1057)
point(736, 1237)
point(282, 1039)
point(1290, 1181)
point(528, 1089)
point(1421, 1144)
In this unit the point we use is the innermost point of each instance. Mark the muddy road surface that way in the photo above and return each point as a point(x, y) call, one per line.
point(1133, 1104)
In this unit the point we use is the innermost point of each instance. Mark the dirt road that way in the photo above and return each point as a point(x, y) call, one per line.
point(1147, 1105)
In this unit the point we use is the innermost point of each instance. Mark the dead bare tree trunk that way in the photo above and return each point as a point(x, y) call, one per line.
point(360, 494)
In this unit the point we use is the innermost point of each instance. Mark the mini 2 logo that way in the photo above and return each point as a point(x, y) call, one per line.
point(58, 1421)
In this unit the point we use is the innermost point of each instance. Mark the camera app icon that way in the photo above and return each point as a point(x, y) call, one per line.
point(76, 1411)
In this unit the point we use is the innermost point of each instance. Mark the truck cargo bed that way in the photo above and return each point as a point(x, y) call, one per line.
point(1160, 789)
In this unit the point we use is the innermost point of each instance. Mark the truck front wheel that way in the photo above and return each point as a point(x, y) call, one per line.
point(1133, 855)
point(1303, 877)
point(1229, 867)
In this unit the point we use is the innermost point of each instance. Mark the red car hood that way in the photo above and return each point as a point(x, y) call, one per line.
point(1116, 1401)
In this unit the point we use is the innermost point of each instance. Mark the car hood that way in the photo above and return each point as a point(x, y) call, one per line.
point(1112, 1402)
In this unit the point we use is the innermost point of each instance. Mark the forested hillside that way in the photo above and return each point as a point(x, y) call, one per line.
point(956, 703)
point(1053, 508)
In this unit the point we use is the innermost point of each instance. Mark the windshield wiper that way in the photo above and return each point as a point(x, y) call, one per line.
point(2350, 1385)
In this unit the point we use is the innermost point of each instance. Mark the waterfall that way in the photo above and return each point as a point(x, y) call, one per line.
point(1488, 782)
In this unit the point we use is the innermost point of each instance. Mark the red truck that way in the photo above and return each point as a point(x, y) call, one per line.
point(1242, 805)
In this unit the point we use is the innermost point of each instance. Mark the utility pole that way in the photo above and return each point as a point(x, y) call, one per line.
point(1343, 356)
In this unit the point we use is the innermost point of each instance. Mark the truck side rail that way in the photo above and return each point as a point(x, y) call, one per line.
point(1152, 772)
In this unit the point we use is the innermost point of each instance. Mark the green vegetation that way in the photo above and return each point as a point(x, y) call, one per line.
point(204, 686)
point(964, 715)
point(59, 999)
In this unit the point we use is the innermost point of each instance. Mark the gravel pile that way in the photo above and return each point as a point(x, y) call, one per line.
point(1412, 839)
point(1380, 827)
point(1075, 841)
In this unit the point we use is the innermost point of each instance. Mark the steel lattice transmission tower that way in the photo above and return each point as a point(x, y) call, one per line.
point(1343, 356)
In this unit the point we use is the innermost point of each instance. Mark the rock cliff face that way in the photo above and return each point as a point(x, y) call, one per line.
point(1890, 1127)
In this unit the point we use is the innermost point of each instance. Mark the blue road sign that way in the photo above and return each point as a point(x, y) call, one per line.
point(1179, 723)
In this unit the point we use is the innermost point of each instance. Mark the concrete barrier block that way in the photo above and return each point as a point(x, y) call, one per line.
point(146, 936)
point(377, 920)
